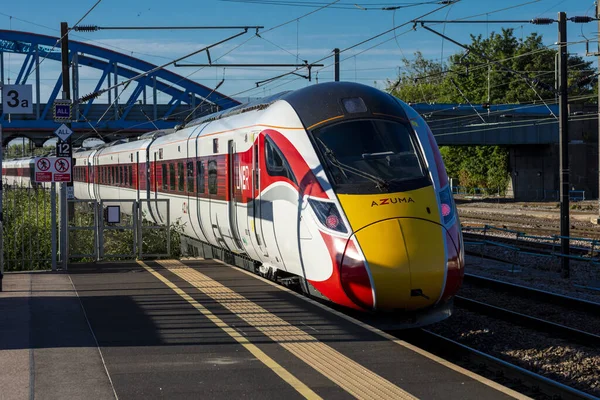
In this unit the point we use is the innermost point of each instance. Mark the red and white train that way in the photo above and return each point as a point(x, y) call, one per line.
point(338, 186)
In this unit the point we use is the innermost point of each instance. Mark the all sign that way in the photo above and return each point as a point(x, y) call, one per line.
point(16, 99)
point(62, 110)
point(52, 169)
point(63, 132)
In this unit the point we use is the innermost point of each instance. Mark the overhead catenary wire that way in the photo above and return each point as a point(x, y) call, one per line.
point(472, 16)
point(241, 44)
point(344, 6)
point(62, 37)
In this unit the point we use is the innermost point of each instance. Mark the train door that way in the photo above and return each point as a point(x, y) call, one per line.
point(256, 207)
point(233, 167)
point(135, 177)
point(203, 190)
point(154, 195)
point(193, 185)
point(90, 178)
point(97, 181)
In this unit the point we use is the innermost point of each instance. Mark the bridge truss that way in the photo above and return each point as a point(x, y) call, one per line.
point(128, 112)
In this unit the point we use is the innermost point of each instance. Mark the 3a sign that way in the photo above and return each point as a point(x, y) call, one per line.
point(52, 169)
point(16, 99)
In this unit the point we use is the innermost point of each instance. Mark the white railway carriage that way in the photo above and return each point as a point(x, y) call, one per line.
point(339, 187)
point(18, 172)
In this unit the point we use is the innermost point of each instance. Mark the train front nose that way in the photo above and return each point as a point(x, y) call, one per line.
point(406, 259)
point(405, 249)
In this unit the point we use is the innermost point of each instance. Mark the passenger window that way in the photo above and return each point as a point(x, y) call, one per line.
point(277, 165)
point(130, 171)
point(190, 176)
point(212, 177)
point(200, 174)
point(172, 176)
point(180, 177)
point(164, 176)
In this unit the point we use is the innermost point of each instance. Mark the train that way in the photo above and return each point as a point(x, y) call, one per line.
point(337, 187)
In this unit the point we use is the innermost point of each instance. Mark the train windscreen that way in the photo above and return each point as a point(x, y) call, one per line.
point(363, 154)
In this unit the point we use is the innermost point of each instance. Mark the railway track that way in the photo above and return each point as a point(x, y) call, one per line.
point(551, 328)
point(505, 373)
point(552, 298)
point(532, 225)
point(497, 369)
point(541, 247)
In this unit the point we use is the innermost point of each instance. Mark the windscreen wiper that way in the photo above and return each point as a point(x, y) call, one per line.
point(379, 182)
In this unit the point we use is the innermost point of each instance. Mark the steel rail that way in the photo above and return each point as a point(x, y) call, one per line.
point(520, 379)
point(525, 291)
point(538, 324)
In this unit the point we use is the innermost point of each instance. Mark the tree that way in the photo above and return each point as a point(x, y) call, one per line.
point(499, 69)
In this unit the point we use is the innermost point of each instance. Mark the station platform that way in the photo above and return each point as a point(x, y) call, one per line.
point(201, 329)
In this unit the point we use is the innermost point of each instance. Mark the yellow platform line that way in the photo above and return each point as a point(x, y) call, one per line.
point(284, 374)
point(354, 378)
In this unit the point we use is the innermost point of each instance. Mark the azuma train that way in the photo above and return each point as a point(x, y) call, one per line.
point(337, 187)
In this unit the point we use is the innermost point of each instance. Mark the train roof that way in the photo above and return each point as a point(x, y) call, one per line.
point(242, 108)
point(324, 101)
point(321, 102)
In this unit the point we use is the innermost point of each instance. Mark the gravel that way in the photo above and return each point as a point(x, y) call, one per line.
point(538, 273)
point(585, 321)
point(574, 365)
point(556, 358)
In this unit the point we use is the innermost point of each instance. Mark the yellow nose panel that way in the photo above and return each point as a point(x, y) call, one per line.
point(404, 255)
point(424, 243)
point(388, 262)
point(403, 243)
point(364, 209)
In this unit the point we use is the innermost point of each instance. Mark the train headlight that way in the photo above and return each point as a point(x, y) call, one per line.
point(447, 205)
point(328, 215)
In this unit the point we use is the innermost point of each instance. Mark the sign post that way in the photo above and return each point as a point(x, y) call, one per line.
point(61, 111)
point(1, 215)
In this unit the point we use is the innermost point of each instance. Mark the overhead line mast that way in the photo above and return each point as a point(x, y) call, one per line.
point(563, 111)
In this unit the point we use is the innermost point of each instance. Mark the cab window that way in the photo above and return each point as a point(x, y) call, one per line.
point(277, 165)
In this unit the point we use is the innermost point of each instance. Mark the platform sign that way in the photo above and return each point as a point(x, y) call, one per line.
point(43, 169)
point(17, 99)
point(52, 169)
point(62, 110)
point(63, 149)
point(62, 169)
point(63, 132)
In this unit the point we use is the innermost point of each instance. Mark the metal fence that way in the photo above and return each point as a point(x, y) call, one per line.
point(588, 250)
point(27, 228)
point(117, 229)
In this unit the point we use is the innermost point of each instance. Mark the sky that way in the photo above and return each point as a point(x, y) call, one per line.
point(289, 35)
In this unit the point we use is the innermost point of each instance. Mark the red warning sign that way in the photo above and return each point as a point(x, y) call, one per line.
point(53, 169)
point(43, 164)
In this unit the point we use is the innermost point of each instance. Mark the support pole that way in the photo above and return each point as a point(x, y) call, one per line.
point(336, 57)
point(64, 211)
point(563, 144)
point(53, 225)
point(1, 214)
point(598, 50)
